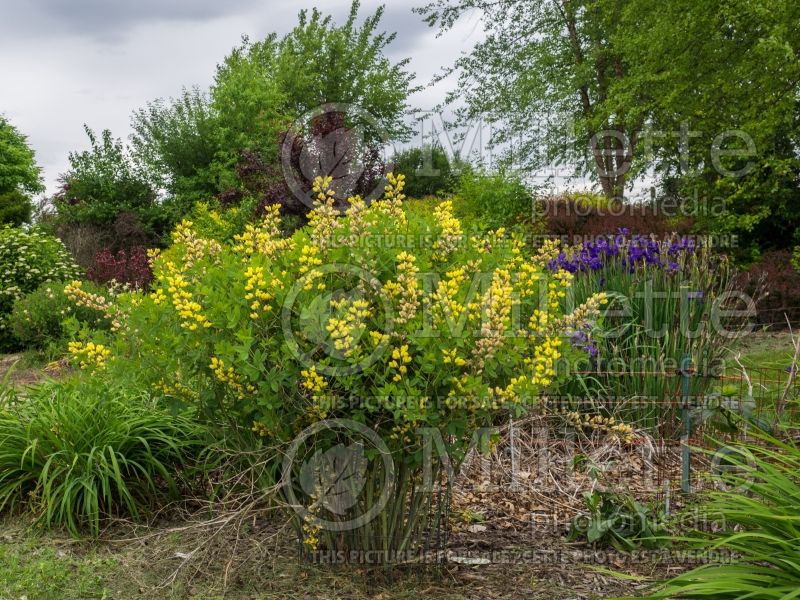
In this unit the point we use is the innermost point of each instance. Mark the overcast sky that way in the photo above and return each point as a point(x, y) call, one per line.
point(64, 63)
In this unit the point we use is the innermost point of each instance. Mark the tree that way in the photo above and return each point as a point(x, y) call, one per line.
point(684, 89)
point(427, 170)
point(176, 142)
point(15, 208)
point(20, 177)
point(250, 105)
point(727, 74)
point(266, 95)
point(320, 63)
point(228, 142)
point(550, 76)
point(103, 183)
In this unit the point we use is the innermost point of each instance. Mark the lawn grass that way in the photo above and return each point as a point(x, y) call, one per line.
point(764, 349)
point(38, 568)
point(39, 565)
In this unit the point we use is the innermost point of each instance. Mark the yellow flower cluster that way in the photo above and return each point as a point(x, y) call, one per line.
point(323, 219)
point(188, 309)
point(356, 213)
point(585, 313)
point(89, 355)
point(545, 356)
point(194, 247)
point(313, 381)
point(158, 297)
point(343, 329)
point(175, 390)
point(451, 357)
point(400, 358)
point(256, 293)
point(556, 289)
point(260, 429)
point(444, 300)
point(392, 202)
point(309, 259)
point(264, 238)
point(75, 292)
point(406, 290)
point(608, 425)
point(485, 244)
point(538, 321)
point(510, 393)
point(548, 251)
point(379, 337)
point(229, 378)
point(451, 233)
point(496, 311)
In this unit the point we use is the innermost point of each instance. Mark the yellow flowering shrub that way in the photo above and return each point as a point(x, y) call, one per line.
point(387, 318)
point(281, 332)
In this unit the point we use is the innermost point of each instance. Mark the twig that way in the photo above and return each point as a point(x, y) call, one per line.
point(792, 374)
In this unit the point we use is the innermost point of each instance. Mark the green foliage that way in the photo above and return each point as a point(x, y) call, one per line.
point(620, 521)
point(28, 258)
point(249, 102)
point(77, 453)
point(760, 526)
point(655, 84)
point(39, 319)
point(228, 140)
point(18, 170)
point(176, 141)
point(427, 170)
point(492, 200)
point(319, 62)
point(104, 182)
point(214, 222)
point(548, 77)
point(760, 208)
point(19, 176)
point(15, 208)
point(691, 58)
point(270, 334)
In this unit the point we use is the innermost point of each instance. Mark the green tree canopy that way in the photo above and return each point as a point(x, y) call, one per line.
point(20, 177)
point(176, 142)
point(198, 144)
point(548, 77)
point(103, 183)
point(727, 74)
point(703, 93)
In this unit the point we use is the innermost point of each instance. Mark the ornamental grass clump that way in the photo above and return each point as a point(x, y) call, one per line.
point(758, 508)
point(340, 350)
point(77, 455)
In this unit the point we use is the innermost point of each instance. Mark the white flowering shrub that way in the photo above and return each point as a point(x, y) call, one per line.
point(28, 258)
